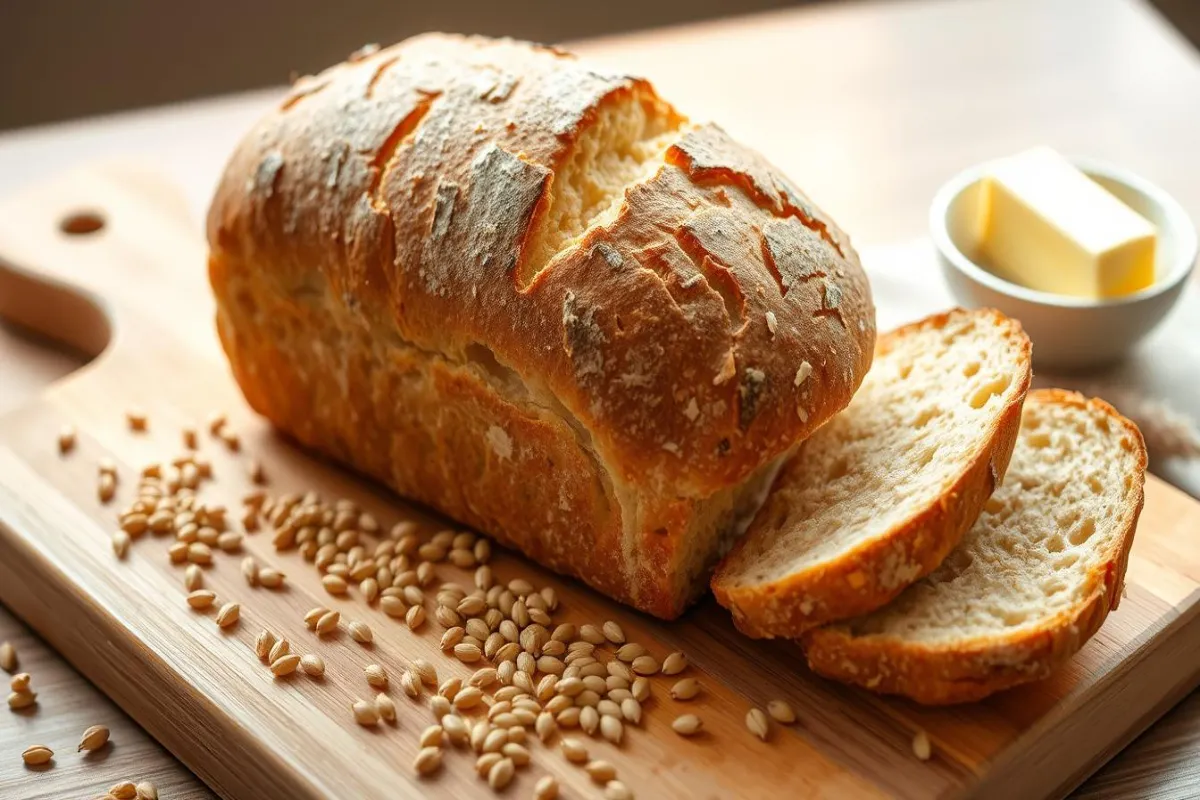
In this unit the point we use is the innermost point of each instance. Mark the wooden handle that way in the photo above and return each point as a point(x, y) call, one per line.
point(100, 257)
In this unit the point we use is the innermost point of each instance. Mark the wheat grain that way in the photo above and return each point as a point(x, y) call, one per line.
point(685, 689)
point(201, 599)
point(125, 790)
point(574, 750)
point(147, 791)
point(278, 650)
point(546, 788)
point(360, 632)
point(411, 684)
point(450, 687)
point(93, 738)
point(467, 698)
point(611, 728)
point(193, 578)
point(285, 665)
point(439, 706)
point(921, 746)
point(781, 712)
point(385, 707)
point(263, 644)
point(485, 762)
point(545, 726)
point(120, 544)
point(687, 725)
point(334, 584)
point(376, 676)
point(328, 623)
point(674, 663)
point(415, 617)
point(312, 665)
point(228, 615)
point(757, 723)
point(20, 682)
point(37, 754)
point(199, 553)
point(431, 736)
point(456, 729)
point(600, 771)
point(19, 700)
point(365, 713)
point(615, 790)
point(66, 439)
point(271, 578)
point(501, 774)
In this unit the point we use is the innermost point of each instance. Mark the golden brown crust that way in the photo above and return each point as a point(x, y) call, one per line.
point(869, 577)
point(407, 189)
point(971, 670)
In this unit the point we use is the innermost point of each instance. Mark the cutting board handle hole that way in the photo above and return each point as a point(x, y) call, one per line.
point(82, 223)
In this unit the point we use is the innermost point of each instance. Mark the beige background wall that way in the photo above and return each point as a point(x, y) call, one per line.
point(65, 58)
point(69, 58)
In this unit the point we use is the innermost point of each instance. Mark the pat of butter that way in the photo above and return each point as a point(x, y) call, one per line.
point(1045, 225)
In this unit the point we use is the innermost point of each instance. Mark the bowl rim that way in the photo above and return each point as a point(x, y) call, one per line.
point(1182, 227)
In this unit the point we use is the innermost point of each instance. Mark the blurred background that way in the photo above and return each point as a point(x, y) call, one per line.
point(69, 58)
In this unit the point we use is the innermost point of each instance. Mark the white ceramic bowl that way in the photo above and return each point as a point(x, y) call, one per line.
point(1070, 332)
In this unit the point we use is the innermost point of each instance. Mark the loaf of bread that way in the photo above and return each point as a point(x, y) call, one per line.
point(533, 296)
point(878, 497)
point(1031, 581)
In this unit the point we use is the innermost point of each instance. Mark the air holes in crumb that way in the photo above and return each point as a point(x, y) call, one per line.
point(81, 223)
point(971, 368)
point(958, 562)
point(1053, 587)
point(1055, 544)
point(905, 369)
point(924, 418)
point(989, 390)
point(1084, 532)
point(1066, 561)
point(993, 506)
point(1040, 439)
point(1015, 617)
point(839, 469)
point(1094, 484)
point(927, 455)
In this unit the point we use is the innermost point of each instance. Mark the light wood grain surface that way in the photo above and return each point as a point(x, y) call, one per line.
point(202, 692)
point(68, 705)
point(918, 89)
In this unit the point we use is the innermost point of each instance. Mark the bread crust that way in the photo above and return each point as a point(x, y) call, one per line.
point(879, 570)
point(398, 198)
point(971, 670)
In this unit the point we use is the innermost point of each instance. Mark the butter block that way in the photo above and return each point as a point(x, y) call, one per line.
point(1045, 225)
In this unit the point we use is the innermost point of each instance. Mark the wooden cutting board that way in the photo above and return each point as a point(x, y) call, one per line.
point(134, 293)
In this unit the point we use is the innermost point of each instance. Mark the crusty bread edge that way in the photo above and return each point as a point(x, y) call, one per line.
point(971, 670)
point(863, 580)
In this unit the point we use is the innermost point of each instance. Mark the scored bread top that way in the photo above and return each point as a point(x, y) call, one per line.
point(879, 496)
point(502, 203)
point(1032, 580)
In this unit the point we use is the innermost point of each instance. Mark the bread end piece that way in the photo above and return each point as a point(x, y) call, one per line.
point(870, 572)
point(876, 653)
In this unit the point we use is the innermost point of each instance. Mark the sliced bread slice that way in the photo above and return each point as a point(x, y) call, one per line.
point(1032, 580)
point(876, 498)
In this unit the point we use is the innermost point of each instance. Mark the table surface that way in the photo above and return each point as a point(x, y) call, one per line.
point(868, 106)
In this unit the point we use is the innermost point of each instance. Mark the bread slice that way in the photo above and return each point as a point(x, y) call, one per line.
point(1032, 580)
point(876, 498)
